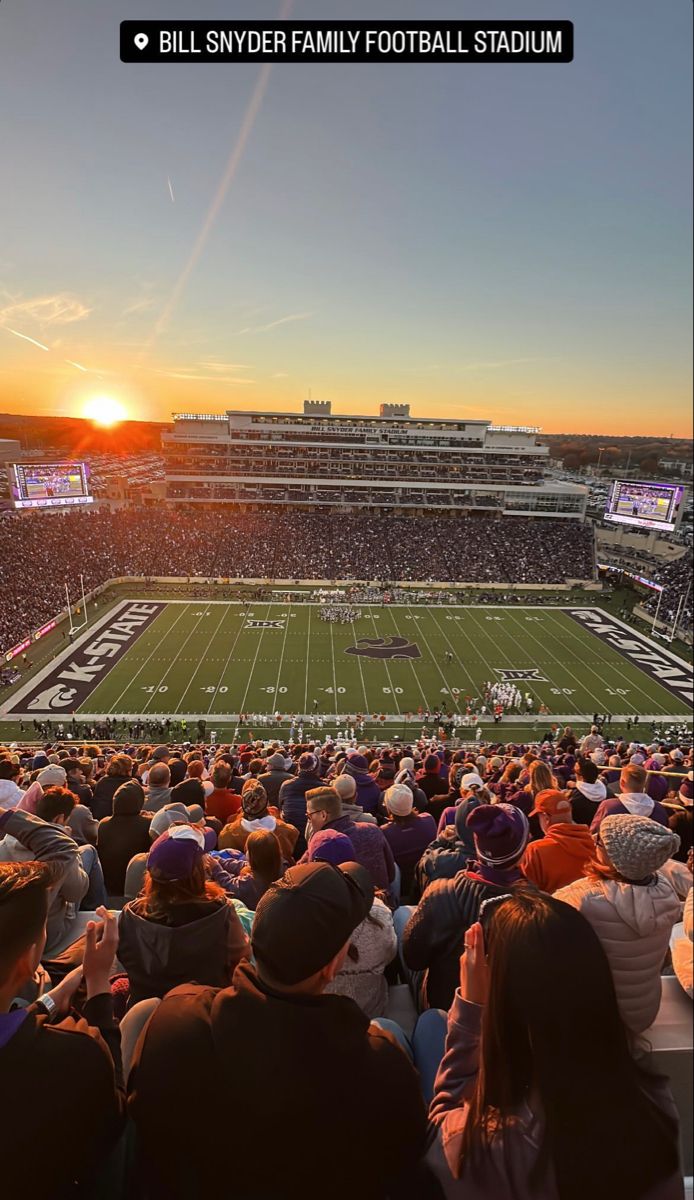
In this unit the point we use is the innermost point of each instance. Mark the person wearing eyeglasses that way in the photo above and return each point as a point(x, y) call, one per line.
point(324, 811)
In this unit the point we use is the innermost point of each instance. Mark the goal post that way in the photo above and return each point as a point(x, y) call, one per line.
point(79, 608)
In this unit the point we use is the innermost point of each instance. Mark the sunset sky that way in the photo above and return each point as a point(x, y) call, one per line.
point(506, 242)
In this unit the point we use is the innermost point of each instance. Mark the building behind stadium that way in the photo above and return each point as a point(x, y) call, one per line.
point(392, 462)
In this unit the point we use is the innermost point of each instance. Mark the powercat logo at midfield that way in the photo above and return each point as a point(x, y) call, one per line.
point(392, 647)
point(671, 672)
point(67, 686)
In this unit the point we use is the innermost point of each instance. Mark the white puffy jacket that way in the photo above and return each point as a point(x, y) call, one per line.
point(633, 922)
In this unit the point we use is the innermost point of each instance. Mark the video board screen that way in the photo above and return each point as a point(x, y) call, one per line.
point(645, 505)
point(49, 485)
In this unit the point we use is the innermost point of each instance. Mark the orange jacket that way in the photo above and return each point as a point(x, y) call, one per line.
point(559, 857)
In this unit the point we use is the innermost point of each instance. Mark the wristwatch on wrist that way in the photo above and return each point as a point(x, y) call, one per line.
point(48, 1005)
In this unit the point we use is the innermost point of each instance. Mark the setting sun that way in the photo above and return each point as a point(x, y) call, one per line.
point(104, 410)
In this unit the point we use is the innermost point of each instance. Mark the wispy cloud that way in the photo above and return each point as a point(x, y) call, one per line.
point(138, 305)
point(45, 311)
point(280, 375)
point(204, 378)
point(24, 338)
point(274, 324)
point(221, 366)
point(491, 365)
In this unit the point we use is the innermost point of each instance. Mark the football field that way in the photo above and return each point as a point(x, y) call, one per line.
point(214, 660)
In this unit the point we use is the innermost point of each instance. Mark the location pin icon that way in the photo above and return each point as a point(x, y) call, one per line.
point(141, 40)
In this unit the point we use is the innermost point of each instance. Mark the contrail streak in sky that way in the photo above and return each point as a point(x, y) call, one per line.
point(219, 196)
point(25, 338)
point(171, 191)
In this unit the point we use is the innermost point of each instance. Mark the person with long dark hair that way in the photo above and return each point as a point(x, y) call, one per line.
point(182, 926)
point(538, 1096)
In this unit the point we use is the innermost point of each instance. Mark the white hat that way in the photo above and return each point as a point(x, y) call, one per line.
point(399, 800)
point(471, 780)
point(52, 777)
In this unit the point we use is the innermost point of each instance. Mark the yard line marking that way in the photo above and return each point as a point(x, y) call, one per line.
point(137, 674)
point(308, 659)
point(412, 666)
point(228, 658)
point(173, 662)
point(332, 649)
point(646, 696)
point(385, 664)
point(435, 660)
point(563, 668)
point(477, 653)
point(361, 672)
point(284, 643)
point(257, 652)
point(474, 686)
point(202, 660)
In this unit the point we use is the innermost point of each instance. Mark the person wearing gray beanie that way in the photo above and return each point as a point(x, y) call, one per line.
point(632, 907)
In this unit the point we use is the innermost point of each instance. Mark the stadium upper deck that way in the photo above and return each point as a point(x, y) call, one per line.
point(391, 461)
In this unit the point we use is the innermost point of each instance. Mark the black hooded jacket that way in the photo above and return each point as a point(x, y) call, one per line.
point(121, 836)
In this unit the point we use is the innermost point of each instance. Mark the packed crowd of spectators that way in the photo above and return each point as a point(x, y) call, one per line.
point(677, 597)
point(204, 941)
point(285, 545)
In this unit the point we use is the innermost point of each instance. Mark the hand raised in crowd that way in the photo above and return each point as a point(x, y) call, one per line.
point(100, 951)
point(62, 994)
point(474, 971)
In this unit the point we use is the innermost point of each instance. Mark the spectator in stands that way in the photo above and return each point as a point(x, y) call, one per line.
point(196, 770)
point(27, 838)
point(681, 945)
point(587, 791)
point(251, 879)
point(346, 788)
point(120, 768)
point(183, 926)
point(561, 854)
point(276, 1013)
point(292, 795)
point(432, 940)
point(256, 814)
point(540, 779)
point(222, 803)
point(592, 741)
point(632, 908)
point(123, 835)
point(274, 776)
point(407, 833)
point(158, 787)
point(368, 791)
point(373, 944)
point(632, 798)
point(538, 1094)
point(429, 779)
point(75, 781)
point(57, 806)
point(10, 792)
point(448, 854)
point(508, 783)
point(472, 793)
point(52, 1065)
point(324, 811)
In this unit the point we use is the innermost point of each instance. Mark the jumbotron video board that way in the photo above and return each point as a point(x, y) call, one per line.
point(645, 505)
point(49, 485)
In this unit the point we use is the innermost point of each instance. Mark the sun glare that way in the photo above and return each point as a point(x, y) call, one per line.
point(104, 410)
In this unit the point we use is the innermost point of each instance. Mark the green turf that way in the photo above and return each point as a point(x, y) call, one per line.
point(199, 659)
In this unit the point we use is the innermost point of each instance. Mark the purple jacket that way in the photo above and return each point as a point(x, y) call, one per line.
point(370, 847)
point(645, 808)
point(408, 839)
